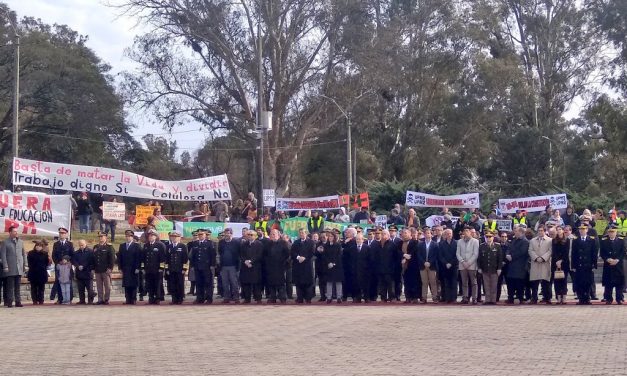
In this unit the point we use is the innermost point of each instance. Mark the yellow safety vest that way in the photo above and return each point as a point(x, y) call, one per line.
point(491, 227)
point(622, 226)
point(522, 221)
point(263, 225)
point(311, 223)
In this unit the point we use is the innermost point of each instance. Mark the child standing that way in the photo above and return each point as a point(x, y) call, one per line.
point(64, 271)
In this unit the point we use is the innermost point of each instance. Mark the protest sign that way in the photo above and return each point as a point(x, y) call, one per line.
point(35, 213)
point(186, 228)
point(142, 212)
point(269, 198)
point(533, 204)
point(381, 220)
point(315, 203)
point(117, 182)
point(435, 220)
point(113, 211)
point(425, 200)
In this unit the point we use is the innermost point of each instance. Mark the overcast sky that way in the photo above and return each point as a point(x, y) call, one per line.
point(109, 34)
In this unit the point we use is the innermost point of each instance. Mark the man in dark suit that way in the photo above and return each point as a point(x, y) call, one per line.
point(447, 266)
point(518, 257)
point(585, 254)
point(410, 265)
point(428, 265)
point(302, 252)
point(128, 259)
point(203, 260)
point(60, 249)
point(176, 265)
point(398, 269)
point(153, 264)
point(251, 260)
point(362, 266)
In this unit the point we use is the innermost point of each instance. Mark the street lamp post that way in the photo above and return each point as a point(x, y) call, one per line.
point(349, 151)
point(551, 142)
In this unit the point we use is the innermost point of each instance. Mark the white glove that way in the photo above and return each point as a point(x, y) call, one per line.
point(331, 265)
point(136, 271)
point(407, 256)
point(509, 257)
point(427, 264)
point(80, 267)
point(479, 271)
point(300, 259)
point(448, 266)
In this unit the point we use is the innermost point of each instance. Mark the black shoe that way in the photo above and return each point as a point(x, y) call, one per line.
point(619, 302)
point(329, 301)
point(608, 302)
point(339, 301)
point(141, 298)
point(19, 305)
point(594, 298)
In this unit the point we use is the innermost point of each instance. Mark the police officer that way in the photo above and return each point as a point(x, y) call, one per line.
point(176, 265)
point(153, 264)
point(203, 260)
point(129, 254)
point(613, 254)
point(61, 248)
point(585, 254)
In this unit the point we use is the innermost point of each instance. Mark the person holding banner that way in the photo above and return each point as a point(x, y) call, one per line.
point(153, 264)
point(203, 260)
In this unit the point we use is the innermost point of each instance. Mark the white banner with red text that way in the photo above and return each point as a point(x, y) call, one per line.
point(35, 213)
point(425, 200)
point(117, 182)
point(533, 204)
point(315, 203)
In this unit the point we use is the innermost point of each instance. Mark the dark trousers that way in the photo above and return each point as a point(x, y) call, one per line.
point(12, 289)
point(386, 287)
point(515, 289)
point(499, 285)
point(277, 291)
point(219, 286)
point(253, 289)
point(593, 286)
point(412, 286)
point(289, 286)
point(582, 285)
point(37, 292)
point(141, 284)
point(449, 285)
point(204, 286)
point(374, 287)
point(85, 285)
point(398, 284)
point(362, 289)
point(546, 290)
point(609, 287)
point(176, 282)
point(560, 286)
point(154, 281)
point(479, 285)
point(3, 289)
point(130, 294)
point(322, 285)
point(304, 292)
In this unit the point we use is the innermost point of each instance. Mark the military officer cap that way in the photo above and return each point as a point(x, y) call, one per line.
point(393, 228)
point(370, 230)
point(174, 234)
point(129, 233)
point(195, 232)
point(135, 237)
point(153, 232)
point(583, 226)
point(612, 228)
point(359, 228)
point(489, 233)
point(204, 230)
point(102, 233)
point(63, 229)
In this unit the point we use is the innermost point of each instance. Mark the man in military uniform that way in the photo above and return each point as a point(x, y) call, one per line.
point(203, 260)
point(61, 248)
point(153, 264)
point(176, 265)
point(104, 259)
point(398, 269)
point(585, 254)
point(191, 275)
point(613, 254)
point(128, 259)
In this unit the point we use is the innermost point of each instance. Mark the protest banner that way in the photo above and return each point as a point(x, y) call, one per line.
point(425, 200)
point(269, 198)
point(291, 226)
point(533, 204)
point(35, 213)
point(435, 220)
point(142, 212)
point(186, 228)
point(358, 201)
point(114, 211)
point(163, 227)
point(315, 203)
point(117, 182)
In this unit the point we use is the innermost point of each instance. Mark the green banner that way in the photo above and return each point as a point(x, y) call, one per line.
point(290, 226)
point(163, 227)
point(186, 228)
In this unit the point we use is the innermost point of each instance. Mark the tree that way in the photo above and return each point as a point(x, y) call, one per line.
point(69, 110)
point(199, 64)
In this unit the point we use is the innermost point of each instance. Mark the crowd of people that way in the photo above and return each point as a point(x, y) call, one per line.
point(468, 257)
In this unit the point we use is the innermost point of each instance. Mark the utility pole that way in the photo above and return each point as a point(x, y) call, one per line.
point(260, 129)
point(349, 156)
point(16, 96)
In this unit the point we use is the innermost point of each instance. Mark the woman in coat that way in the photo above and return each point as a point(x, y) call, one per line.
point(332, 261)
point(38, 262)
point(560, 260)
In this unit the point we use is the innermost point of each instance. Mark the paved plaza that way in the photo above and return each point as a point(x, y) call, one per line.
point(314, 340)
